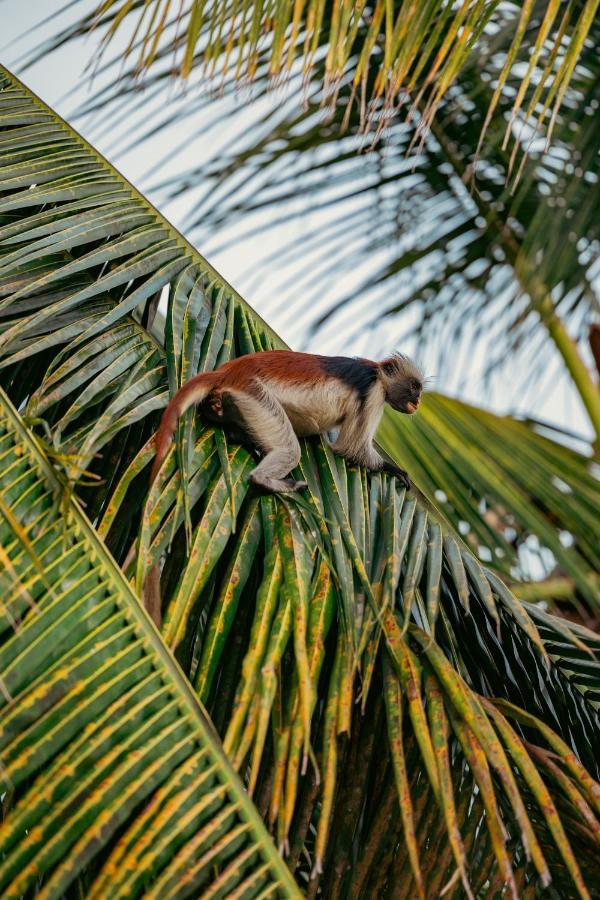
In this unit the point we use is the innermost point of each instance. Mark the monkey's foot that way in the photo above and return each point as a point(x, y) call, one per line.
point(403, 478)
point(398, 473)
point(277, 485)
point(291, 484)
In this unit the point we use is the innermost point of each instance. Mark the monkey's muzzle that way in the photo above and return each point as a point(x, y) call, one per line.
point(412, 407)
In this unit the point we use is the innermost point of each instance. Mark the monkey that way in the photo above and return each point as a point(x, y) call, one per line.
point(277, 396)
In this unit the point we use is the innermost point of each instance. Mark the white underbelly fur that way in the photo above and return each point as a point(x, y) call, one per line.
point(313, 410)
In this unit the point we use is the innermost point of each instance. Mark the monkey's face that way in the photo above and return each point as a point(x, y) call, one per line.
point(405, 395)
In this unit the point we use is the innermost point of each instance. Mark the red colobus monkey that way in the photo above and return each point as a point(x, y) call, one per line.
point(277, 396)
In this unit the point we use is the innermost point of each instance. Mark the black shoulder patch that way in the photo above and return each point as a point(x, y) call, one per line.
point(356, 374)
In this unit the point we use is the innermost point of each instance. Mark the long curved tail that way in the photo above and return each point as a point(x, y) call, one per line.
point(194, 391)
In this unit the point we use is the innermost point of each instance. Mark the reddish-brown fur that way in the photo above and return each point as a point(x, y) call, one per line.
point(284, 365)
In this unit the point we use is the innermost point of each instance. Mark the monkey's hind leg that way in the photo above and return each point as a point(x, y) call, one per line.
point(258, 413)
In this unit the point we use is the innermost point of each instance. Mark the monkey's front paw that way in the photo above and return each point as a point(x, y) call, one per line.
point(398, 473)
point(403, 478)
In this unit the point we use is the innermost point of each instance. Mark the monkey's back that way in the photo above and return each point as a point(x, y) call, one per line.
point(317, 392)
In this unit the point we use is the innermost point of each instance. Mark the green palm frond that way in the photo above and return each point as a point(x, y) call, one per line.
point(389, 53)
point(348, 632)
point(509, 490)
point(107, 755)
point(580, 661)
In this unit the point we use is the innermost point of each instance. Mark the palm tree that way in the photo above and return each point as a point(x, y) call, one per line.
point(351, 631)
point(463, 232)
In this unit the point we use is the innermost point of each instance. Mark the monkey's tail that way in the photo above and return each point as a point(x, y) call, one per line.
point(195, 391)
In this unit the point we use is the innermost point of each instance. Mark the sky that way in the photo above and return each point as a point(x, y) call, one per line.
point(61, 81)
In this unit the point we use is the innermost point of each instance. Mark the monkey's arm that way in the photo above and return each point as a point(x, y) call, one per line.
point(358, 449)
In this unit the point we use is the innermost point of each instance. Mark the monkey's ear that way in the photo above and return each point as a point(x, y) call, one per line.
point(389, 367)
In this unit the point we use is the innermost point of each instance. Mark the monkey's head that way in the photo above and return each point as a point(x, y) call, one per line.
point(403, 382)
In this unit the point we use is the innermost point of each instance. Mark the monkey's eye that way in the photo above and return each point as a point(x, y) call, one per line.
point(415, 386)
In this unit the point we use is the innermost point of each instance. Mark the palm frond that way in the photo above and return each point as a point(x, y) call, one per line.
point(389, 54)
point(513, 493)
point(574, 648)
point(325, 634)
point(101, 737)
